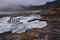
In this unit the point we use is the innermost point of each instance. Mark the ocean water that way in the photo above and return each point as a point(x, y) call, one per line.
point(20, 24)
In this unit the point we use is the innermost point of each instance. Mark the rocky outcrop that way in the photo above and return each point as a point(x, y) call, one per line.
point(51, 19)
point(50, 32)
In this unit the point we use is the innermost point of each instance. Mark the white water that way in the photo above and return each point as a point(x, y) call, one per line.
point(20, 24)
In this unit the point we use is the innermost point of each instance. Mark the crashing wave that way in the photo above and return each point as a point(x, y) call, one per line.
point(20, 24)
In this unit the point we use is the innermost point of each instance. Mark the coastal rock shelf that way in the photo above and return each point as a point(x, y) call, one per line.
point(48, 28)
point(30, 26)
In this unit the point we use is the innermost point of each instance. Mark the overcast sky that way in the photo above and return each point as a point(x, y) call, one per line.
point(6, 3)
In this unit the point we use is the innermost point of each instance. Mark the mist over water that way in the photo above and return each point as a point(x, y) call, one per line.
point(20, 24)
point(16, 4)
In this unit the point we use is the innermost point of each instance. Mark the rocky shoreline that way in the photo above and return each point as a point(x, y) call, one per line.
point(50, 32)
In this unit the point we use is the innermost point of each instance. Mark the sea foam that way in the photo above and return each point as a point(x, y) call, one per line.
point(20, 24)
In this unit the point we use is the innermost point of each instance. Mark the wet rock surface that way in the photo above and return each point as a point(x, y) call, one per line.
point(50, 32)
